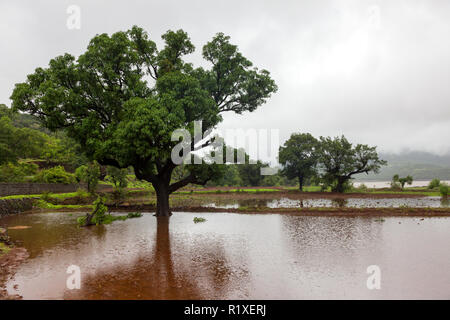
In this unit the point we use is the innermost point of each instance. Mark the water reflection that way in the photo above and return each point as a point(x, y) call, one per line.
point(233, 256)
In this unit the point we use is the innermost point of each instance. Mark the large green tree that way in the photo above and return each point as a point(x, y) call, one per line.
point(340, 160)
point(123, 98)
point(299, 157)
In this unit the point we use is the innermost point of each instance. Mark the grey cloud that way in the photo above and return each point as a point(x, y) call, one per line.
point(376, 71)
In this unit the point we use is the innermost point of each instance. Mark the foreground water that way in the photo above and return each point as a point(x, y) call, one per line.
point(233, 256)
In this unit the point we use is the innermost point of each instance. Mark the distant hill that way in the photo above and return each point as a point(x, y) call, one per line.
point(420, 165)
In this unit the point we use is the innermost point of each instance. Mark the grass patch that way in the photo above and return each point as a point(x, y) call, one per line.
point(60, 196)
point(46, 205)
point(4, 248)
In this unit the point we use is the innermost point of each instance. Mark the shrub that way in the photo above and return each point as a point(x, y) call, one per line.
point(118, 177)
point(443, 189)
point(46, 196)
point(97, 216)
point(54, 175)
point(434, 183)
point(17, 172)
point(89, 174)
point(362, 187)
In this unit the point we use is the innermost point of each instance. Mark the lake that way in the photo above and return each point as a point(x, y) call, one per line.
point(232, 256)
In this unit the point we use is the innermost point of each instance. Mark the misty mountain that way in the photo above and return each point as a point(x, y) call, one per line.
point(421, 165)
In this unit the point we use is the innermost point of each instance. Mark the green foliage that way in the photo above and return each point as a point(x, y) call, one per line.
point(435, 183)
point(399, 183)
point(89, 174)
point(250, 173)
point(54, 175)
point(339, 160)
point(18, 143)
point(47, 205)
point(199, 220)
point(229, 178)
point(362, 188)
point(299, 157)
point(46, 196)
point(17, 172)
point(118, 177)
point(97, 216)
point(104, 100)
point(134, 215)
point(443, 189)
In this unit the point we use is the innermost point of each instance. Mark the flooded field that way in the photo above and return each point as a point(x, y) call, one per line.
point(387, 184)
point(232, 256)
point(420, 202)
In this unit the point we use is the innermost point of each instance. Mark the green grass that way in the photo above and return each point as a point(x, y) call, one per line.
point(4, 248)
point(425, 193)
point(46, 205)
point(61, 196)
point(21, 196)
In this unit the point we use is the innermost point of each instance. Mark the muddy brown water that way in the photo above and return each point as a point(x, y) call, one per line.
point(232, 256)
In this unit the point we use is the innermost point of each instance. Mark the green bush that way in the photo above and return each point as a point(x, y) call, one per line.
point(97, 216)
point(54, 175)
point(443, 189)
point(89, 174)
point(362, 187)
point(17, 172)
point(434, 183)
point(118, 177)
point(46, 196)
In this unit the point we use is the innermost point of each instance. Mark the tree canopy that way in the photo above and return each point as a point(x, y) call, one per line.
point(340, 160)
point(299, 157)
point(122, 99)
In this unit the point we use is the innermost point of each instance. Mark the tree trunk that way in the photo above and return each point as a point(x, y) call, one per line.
point(162, 199)
point(300, 183)
point(340, 185)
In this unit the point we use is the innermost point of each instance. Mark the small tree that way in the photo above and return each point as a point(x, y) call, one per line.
point(339, 161)
point(90, 175)
point(250, 173)
point(443, 189)
point(396, 180)
point(299, 157)
point(434, 183)
point(118, 177)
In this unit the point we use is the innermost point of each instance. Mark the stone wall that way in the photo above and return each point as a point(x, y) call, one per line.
point(11, 206)
point(10, 189)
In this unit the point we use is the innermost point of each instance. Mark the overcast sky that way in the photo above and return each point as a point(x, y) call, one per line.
point(376, 71)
